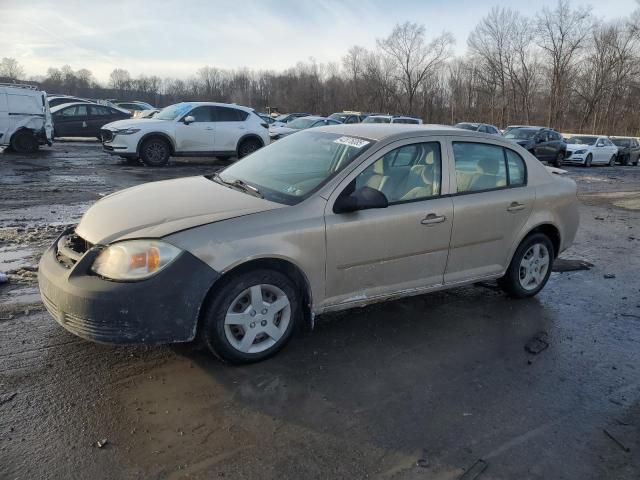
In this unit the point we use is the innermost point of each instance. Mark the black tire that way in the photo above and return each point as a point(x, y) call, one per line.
point(24, 142)
point(155, 152)
point(587, 162)
point(510, 283)
point(559, 160)
point(212, 328)
point(248, 146)
point(612, 161)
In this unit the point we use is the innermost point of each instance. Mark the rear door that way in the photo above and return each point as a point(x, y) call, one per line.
point(98, 116)
point(230, 127)
point(377, 252)
point(199, 135)
point(491, 203)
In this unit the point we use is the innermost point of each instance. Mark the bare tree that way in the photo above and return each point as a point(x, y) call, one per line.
point(10, 68)
point(414, 59)
point(120, 79)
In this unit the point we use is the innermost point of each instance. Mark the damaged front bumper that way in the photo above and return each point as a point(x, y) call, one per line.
point(161, 309)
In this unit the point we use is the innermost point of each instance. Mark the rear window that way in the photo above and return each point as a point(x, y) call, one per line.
point(482, 166)
point(226, 114)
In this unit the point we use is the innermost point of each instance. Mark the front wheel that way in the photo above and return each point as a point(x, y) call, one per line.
point(612, 161)
point(155, 152)
point(251, 316)
point(24, 142)
point(530, 267)
point(559, 160)
point(587, 162)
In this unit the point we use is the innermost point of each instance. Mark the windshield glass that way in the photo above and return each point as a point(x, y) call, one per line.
point(341, 117)
point(467, 126)
point(521, 133)
point(282, 118)
point(173, 111)
point(377, 120)
point(291, 169)
point(301, 123)
point(582, 140)
point(621, 142)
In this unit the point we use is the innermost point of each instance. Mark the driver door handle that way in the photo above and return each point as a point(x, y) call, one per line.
point(433, 219)
point(208, 128)
point(515, 207)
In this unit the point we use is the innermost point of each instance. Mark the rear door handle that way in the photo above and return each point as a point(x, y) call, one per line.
point(515, 207)
point(208, 128)
point(433, 219)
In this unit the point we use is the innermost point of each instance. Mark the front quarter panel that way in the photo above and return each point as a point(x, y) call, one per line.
point(295, 234)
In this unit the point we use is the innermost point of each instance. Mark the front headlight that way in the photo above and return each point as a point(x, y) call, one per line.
point(579, 152)
point(126, 131)
point(134, 259)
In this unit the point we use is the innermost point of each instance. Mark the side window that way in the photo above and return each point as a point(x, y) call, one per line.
point(201, 114)
point(99, 111)
point(479, 166)
point(412, 172)
point(75, 111)
point(483, 129)
point(517, 168)
point(226, 114)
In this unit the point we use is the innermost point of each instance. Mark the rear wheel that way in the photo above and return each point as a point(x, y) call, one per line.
point(559, 159)
point(251, 316)
point(612, 161)
point(24, 142)
point(530, 267)
point(587, 162)
point(155, 152)
point(248, 146)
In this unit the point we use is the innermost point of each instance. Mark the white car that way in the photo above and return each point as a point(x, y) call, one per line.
point(25, 118)
point(187, 129)
point(590, 150)
point(392, 119)
point(302, 123)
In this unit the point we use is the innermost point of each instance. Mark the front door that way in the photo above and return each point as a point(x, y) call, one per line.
point(199, 135)
point(491, 206)
point(377, 252)
point(72, 122)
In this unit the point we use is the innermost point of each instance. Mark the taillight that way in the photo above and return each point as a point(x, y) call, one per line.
point(264, 125)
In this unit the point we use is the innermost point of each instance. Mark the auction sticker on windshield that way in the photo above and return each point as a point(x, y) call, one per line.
point(352, 142)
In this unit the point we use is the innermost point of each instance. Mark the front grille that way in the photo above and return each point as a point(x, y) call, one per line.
point(106, 135)
point(71, 248)
point(95, 329)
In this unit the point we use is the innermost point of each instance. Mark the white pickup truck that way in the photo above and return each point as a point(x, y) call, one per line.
point(25, 119)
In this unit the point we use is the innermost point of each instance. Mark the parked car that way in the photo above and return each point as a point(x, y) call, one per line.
point(325, 220)
point(347, 117)
point(544, 143)
point(83, 119)
point(55, 100)
point(269, 120)
point(148, 113)
point(135, 107)
point(188, 128)
point(628, 150)
point(392, 119)
point(479, 127)
point(590, 150)
point(312, 121)
point(282, 120)
point(511, 127)
point(25, 118)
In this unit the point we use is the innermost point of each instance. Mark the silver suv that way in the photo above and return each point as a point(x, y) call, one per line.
point(324, 220)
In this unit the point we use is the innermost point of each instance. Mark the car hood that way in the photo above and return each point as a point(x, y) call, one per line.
point(572, 147)
point(157, 209)
point(134, 122)
point(282, 130)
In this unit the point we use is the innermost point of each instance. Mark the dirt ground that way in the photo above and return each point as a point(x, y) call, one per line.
point(438, 386)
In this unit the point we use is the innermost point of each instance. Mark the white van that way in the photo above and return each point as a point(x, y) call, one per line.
point(25, 119)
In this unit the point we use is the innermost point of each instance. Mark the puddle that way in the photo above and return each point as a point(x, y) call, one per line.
point(55, 214)
point(12, 258)
point(626, 200)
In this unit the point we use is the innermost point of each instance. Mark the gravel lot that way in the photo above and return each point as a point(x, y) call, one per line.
point(412, 389)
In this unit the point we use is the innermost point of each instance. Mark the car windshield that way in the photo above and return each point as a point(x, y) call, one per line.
point(467, 126)
point(341, 117)
point(282, 118)
point(173, 111)
point(301, 123)
point(521, 133)
point(291, 169)
point(582, 140)
point(377, 120)
point(621, 142)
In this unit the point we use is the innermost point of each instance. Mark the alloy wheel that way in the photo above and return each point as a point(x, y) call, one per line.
point(534, 266)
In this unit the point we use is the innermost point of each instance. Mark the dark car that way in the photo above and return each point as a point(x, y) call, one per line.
point(83, 119)
point(55, 100)
point(479, 127)
point(545, 144)
point(628, 150)
point(347, 117)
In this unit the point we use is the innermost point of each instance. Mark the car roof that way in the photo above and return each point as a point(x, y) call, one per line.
point(316, 117)
point(65, 105)
point(217, 104)
point(377, 131)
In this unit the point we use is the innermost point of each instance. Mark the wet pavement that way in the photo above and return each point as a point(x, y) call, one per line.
point(421, 388)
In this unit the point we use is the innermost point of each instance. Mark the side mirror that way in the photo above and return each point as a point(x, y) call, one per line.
point(364, 198)
point(188, 119)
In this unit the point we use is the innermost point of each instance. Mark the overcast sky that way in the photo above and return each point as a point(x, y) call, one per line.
point(177, 37)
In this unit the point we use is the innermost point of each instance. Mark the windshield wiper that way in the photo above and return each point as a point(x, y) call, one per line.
point(240, 185)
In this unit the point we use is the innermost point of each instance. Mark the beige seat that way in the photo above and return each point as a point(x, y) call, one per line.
point(487, 176)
